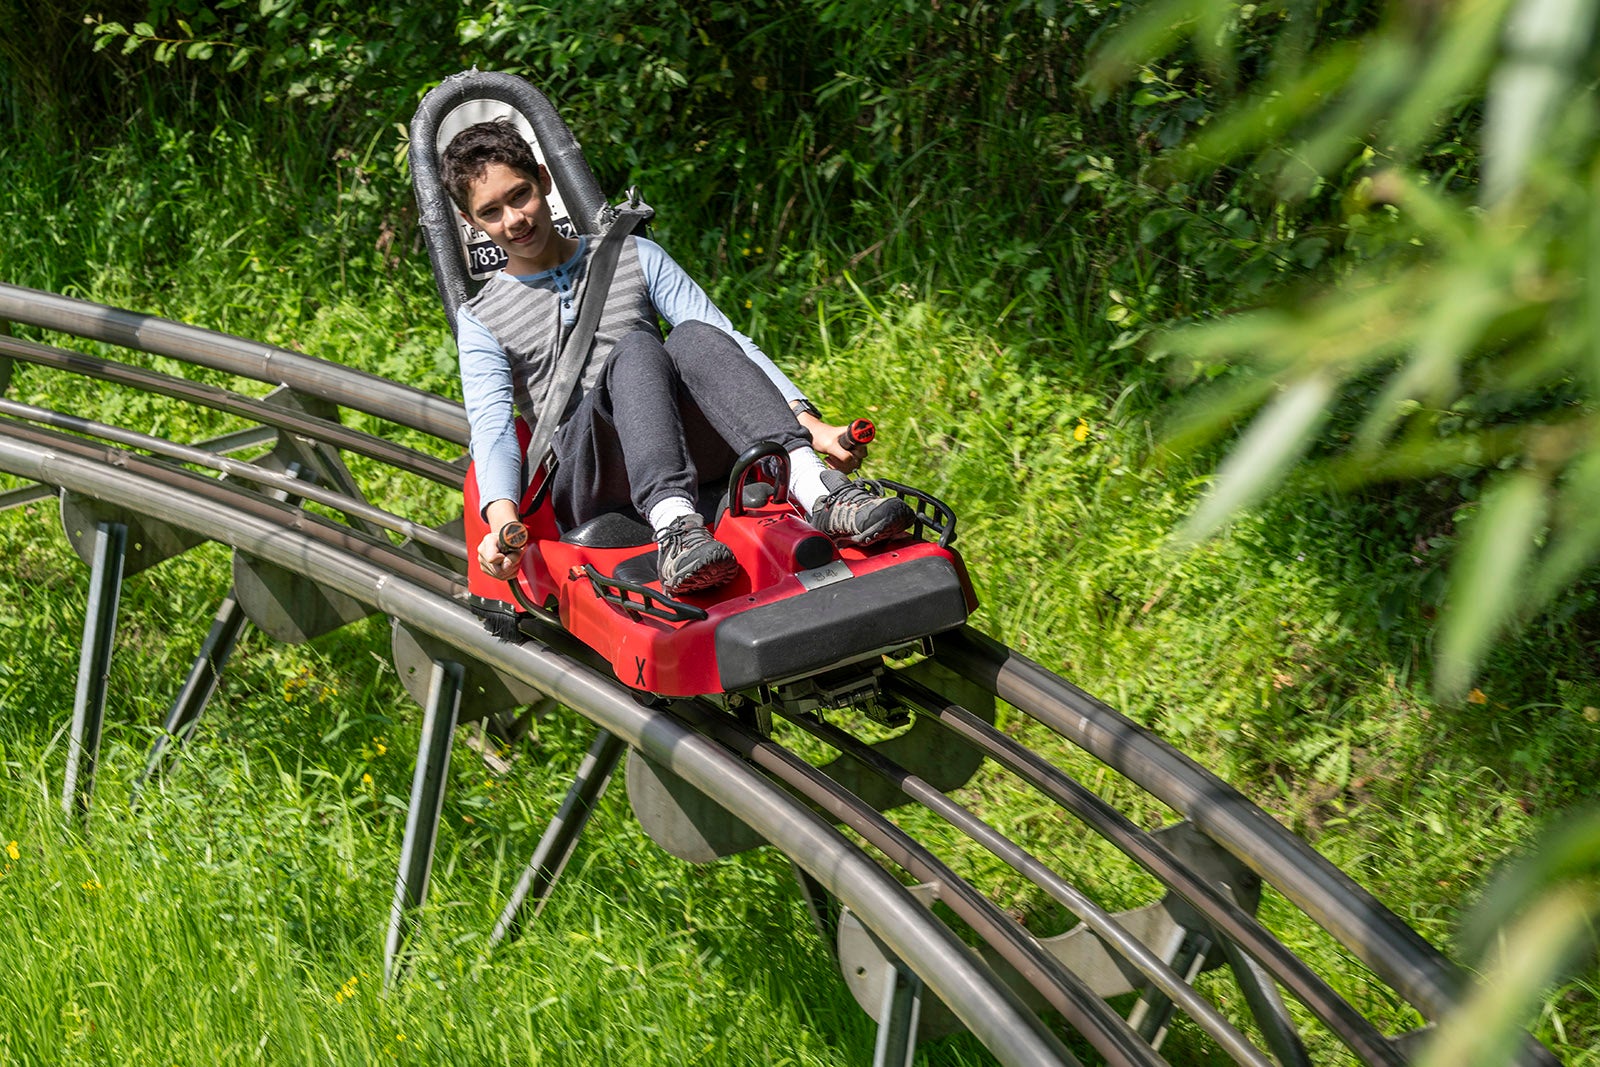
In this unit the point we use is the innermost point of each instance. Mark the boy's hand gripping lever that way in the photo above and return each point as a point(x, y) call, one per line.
point(513, 538)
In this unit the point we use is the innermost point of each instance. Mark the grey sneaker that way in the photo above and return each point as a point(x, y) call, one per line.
point(853, 515)
point(689, 559)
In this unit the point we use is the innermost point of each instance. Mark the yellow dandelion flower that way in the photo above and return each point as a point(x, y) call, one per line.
point(379, 747)
point(1081, 433)
point(366, 779)
point(749, 303)
point(92, 884)
point(13, 851)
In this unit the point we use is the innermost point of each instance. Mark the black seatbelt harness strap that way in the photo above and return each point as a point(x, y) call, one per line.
point(578, 345)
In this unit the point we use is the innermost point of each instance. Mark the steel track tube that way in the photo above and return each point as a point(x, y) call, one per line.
point(1331, 898)
point(1104, 925)
point(1064, 991)
point(351, 506)
point(1231, 921)
point(424, 600)
point(345, 386)
point(209, 396)
point(61, 448)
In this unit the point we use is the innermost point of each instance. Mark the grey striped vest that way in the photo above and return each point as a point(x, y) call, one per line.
point(526, 321)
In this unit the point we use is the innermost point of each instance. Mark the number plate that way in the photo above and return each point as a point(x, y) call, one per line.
point(837, 571)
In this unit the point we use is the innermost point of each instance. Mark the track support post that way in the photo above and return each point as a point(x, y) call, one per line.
point(561, 836)
point(94, 664)
point(427, 798)
point(198, 688)
point(1154, 1009)
point(1266, 1004)
point(898, 1018)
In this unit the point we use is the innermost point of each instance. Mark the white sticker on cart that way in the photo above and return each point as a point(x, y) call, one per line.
point(837, 571)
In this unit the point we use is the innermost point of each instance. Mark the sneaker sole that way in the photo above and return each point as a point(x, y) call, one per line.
point(713, 574)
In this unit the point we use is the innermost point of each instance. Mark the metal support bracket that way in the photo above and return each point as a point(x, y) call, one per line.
point(288, 606)
point(561, 836)
point(683, 821)
point(110, 543)
point(427, 799)
point(486, 692)
point(1165, 926)
point(146, 542)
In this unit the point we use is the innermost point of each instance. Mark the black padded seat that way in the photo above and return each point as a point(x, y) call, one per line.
point(640, 570)
point(611, 530)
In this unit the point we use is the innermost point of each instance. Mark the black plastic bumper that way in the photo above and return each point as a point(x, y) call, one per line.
point(834, 623)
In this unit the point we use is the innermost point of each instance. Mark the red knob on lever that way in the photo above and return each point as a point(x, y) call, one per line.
point(858, 434)
point(512, 537)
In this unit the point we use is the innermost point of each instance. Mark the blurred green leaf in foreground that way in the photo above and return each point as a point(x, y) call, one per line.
point(1534, 926)
point(1458, 146)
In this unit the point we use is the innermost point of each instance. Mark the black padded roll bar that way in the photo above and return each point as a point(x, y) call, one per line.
point(556, 147)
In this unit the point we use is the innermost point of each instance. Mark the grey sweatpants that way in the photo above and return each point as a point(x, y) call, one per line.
point(663, 418)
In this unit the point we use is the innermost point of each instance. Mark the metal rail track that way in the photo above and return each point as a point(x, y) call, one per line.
point(705, 782)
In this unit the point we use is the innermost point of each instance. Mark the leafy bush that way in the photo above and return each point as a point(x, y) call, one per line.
point(1455, 343)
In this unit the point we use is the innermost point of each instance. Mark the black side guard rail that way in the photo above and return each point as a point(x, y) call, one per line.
point(622, 594)
point(932, 514)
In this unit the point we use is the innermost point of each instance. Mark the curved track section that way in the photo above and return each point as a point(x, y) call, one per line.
point(706, 782)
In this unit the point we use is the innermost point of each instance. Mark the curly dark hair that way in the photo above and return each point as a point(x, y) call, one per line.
point(474, 148)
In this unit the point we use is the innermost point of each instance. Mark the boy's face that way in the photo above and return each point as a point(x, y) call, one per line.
point(510, 206)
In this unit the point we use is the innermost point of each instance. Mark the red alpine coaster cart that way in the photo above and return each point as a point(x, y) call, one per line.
point(805, 622)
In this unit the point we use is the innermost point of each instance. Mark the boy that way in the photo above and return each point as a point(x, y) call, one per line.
point(651, 419)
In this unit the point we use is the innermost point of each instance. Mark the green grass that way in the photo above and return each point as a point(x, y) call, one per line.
point(238, 917)
point(239, 914)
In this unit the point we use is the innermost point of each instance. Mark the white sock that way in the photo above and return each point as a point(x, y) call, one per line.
point(805, 478)
point(669, 510)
